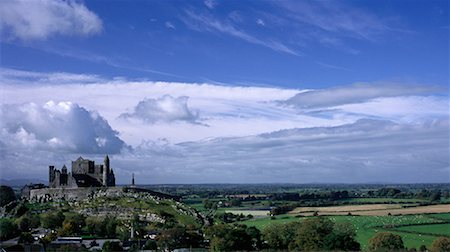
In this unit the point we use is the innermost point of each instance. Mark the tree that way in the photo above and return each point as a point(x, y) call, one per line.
point(312, 233)
point(35, 221)
point(423, 248)
point(110, 227)
point(445, 194)
point(73, 224)
point(67, 229)
point(209, 204)
point(436, 196)
point(386, 241)
point(343, 238)
point(53, 220)
point(318, 233)
point(110, 246)
point(46, 240)
point(102, 228)
point(235, 202)
point(24, 224)
point(8, 229)
point(26, 238)
point(179, 238)
point(225, 237)
point(21, 209)
point(440, 244)
point(6, 195)
point(255, 236)
point(278, 236)
point(150, 245)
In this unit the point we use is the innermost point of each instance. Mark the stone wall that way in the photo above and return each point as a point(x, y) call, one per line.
point(56, 194)
point(82, 193)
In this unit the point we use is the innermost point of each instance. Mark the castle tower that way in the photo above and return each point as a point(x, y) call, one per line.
point(106, 171)
point(113, 178)
point(63, 178)
point(51, 174)
point(106, 162)
point(64, 170)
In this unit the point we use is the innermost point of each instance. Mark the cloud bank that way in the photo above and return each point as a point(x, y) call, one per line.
point(40, 19)
point(364, 151)
point(356, 133)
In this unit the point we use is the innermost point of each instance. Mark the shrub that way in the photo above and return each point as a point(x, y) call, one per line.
point(386, 241)
point(8, 229)
point(440, 244)
point(6, 195)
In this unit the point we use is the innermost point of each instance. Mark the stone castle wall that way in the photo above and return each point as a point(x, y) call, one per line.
point(82, 193)
point(56, 194)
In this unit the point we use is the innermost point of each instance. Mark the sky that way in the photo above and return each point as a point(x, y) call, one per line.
point(227, 91)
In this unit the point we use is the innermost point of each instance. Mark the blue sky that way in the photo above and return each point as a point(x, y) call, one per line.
point(227, 91)
point(295, 44)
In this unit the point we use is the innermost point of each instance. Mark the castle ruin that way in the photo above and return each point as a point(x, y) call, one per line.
point(85, 173)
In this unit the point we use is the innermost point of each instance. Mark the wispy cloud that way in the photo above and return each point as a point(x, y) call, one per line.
point(260, 22)
point(357, 93)
point(28, 20)
point(169, 25)
point(111, 60)
point(336, 17)
point(327, 65)
point(210, 3)
point(205, 22)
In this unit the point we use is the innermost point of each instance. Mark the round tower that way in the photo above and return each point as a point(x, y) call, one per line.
point(106, 162)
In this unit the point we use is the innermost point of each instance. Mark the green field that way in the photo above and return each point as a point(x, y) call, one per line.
point(367, 226)
point(383, 200)
point(443, 216)
point(437, 229)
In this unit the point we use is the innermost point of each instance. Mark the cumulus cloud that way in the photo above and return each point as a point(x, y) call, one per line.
point(40, 19)
point(59, 127)
point(163, 109)
point(355, 94)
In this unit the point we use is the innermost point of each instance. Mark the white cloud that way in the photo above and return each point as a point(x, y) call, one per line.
point(405, 109)
point(365, 151)
point(165, 109)
point(356, 93)
point(27, 77)
point(169, 25)
point(210, 3)
point(260, 22)
point(58, 127)
point(336, 18)
point(326, 140)
point(40, 19)
point(202, 22)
